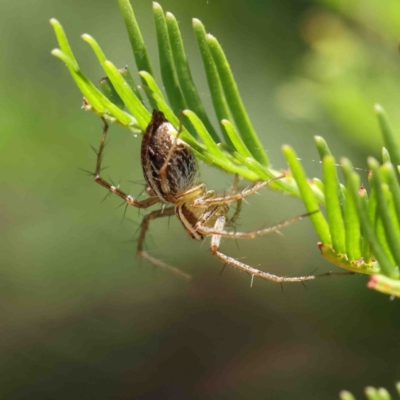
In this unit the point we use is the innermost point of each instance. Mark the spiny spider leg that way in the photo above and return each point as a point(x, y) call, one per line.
point(115, 189)
point(231, 221)
point(205, 230)
point(192, 192)
point(166, 212)
point(215, 243)
point(207, 200)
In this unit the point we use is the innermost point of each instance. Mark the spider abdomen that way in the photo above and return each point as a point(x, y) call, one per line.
point(182, 171)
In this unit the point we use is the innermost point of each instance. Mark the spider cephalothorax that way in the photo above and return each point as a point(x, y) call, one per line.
point(172, 175)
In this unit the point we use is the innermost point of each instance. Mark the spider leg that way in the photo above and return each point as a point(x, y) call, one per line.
point(231, 221)
point(167, 212)
point(111, 187)
point(194, 192)
point(207, 231)
point(235, 184)
point(215, 244)
point(204, 201)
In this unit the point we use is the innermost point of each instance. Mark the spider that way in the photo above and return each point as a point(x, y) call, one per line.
point(171, 172)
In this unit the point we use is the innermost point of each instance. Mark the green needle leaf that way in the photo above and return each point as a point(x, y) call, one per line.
point(318, 220)
point(334, 214)
point(235, 139)
point(137, 43)
point(384, 394)
point(323, 150)
point(319, 184)
point(385, 155)
point(204, 134)
point(345, 395)
point(126, 75)
point(168, 75)
point(235, 103)
point(372, 393)
point(186, 82)
point(398, 388)
point(261, 172)
point(386, 212)
point(353, 183)
point(68, 61)
point(370, 205)
point(84, 85)
point(322, 147)
point(66, 55)
point(96, 48)
point(390, 139)
point(287, 185)
point(100, 103)
point(102, 58)
point(352, 227)
point(390, 176)
point(381, 235)
point(162, 105)
point(132, 103)
point(151, 83)
point(124, 90)
point(237, 159)
point(217, 156)
point(135, 37)
point(390, 206)
point(214, 83)
point(63, 43)
point(108, 90)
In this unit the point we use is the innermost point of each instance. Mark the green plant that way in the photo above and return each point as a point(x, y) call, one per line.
point(371, 393)
point(361, 230)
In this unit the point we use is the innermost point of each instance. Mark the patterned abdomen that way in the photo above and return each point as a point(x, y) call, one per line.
point(182, 171)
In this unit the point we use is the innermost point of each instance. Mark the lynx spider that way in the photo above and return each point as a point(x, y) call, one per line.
point(172, 175)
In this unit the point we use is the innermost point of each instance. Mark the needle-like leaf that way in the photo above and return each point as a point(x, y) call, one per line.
point(334, 214)
point(311, 204)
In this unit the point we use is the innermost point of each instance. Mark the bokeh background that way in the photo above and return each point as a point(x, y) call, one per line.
point(82, 318)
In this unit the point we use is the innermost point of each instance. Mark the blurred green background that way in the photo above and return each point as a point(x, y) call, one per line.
point(83, 318)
